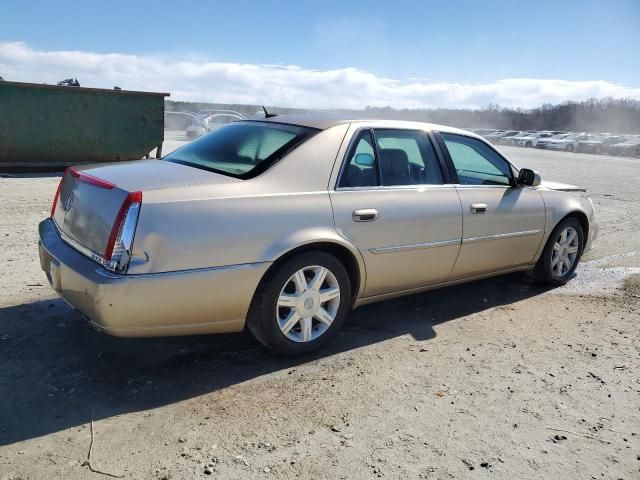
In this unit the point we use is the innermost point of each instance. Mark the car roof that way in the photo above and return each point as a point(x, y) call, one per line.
point(325, 121)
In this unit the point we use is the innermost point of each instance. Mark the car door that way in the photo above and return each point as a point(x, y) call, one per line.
point(392, 202)
point(503, 223)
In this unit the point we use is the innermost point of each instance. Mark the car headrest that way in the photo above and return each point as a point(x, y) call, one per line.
point(394, 161)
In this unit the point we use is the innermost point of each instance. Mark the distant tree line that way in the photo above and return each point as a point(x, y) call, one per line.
point(613, 115)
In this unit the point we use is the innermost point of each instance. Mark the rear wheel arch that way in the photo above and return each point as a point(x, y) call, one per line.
point(343, 254)
point(297, 321)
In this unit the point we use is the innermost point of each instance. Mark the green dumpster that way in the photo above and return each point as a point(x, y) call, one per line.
point(47, 126)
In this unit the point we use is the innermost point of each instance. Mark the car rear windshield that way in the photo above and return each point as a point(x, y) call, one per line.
point(242, 149)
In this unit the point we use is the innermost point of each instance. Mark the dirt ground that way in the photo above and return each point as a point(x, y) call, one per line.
point(495, 379)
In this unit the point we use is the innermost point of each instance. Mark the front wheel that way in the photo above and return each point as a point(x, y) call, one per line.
point(302, 305)
point(561, 254)
point(569, 148)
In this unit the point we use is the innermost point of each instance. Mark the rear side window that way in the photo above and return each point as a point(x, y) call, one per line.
point(407, 158)
point(399, 157)
point(361, 169)
point(241, 149)
point(475, 162)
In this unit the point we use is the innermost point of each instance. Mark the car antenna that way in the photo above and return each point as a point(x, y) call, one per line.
point(267, 114)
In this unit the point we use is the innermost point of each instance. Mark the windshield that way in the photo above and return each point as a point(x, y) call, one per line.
point(241, 149)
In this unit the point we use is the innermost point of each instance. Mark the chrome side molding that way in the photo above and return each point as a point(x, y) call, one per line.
point(416, 246)
point(500, 236)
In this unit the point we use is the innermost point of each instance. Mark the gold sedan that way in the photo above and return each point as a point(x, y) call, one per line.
point(285, 224)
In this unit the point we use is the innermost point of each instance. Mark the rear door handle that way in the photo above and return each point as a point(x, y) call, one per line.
point(478, 208)
point(365, 215)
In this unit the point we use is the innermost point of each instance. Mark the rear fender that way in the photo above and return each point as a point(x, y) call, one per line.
point(316, 235)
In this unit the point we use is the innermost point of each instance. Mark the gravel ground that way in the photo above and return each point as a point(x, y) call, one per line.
point(495, 379)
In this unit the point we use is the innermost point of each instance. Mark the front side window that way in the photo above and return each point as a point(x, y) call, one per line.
point(241, 149)
point(475, 162)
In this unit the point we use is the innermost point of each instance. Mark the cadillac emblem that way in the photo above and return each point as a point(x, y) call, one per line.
point(68, 202)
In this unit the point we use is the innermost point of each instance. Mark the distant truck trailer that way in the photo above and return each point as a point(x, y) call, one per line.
point(49, 126)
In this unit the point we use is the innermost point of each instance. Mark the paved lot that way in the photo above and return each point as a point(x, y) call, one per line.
point(498, 378)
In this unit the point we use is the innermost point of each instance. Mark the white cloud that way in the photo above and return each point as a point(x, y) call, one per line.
point(195, 80)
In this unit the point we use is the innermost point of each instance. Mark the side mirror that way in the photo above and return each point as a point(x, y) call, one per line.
point(364, 160)
point(529, 177)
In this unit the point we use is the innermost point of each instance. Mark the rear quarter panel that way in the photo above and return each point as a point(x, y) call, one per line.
point(252, 221)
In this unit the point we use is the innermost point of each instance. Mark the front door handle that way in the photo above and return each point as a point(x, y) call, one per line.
point(478, 208)
point(365, 215)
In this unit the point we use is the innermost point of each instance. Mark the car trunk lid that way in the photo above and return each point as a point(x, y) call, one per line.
point(86, 209)
point(92, 199)
point(147, 175)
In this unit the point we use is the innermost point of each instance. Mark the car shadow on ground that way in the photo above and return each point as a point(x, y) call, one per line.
point(55, 369)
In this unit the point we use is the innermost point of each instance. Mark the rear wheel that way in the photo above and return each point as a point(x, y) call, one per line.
point(302, 305)
point(528, 144)
point(569, 148)
point(561, 254)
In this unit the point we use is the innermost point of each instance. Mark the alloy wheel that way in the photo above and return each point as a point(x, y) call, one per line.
point(308, 303)
point(565, 252)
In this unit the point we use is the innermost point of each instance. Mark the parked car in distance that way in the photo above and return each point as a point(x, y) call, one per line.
point(285, 224)
point(487, 136)
point(510, 139)
point(196, 129)
point(531, 139)
point(629, 148)
point(495, 137)
point(484, 131)
point(599, 144)
point(543, 142)
point(208, 120)
point(178, 120)
point(568, 143)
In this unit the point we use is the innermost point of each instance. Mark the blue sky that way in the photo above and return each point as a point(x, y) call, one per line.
point(451, 42)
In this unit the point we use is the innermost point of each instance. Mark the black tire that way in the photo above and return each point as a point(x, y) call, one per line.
point(569, 148)
point(262, 318)
point(543, 271)
point(528, 144)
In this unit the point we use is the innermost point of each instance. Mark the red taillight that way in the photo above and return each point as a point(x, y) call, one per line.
point(86, 178)
point(116, 230)
point(55, 199)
